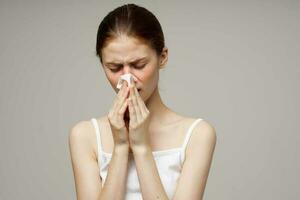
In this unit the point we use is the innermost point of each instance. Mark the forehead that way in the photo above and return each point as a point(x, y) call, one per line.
point(125, 49)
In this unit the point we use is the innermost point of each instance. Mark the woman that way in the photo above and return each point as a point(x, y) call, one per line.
point(141, 149)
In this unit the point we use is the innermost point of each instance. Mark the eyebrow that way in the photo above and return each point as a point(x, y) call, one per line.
point(133, 62)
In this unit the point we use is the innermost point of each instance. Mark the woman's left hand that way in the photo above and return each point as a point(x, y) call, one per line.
point(139, 119)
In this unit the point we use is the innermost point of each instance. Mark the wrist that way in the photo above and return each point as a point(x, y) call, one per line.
point(141, 149)
point(121, 148)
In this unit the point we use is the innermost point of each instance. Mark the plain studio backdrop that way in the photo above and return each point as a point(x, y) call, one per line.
point(232, 63)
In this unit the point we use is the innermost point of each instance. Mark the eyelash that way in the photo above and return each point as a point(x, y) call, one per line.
point(117, 69)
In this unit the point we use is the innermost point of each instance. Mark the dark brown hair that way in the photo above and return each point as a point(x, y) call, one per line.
point(133, 21)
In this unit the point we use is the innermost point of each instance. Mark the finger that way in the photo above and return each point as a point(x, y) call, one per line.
point(136, 104)
point(116, 103)
point(143, 109)
point(119, 94)
point(123, 89)
point(132, 111)
point(141, 103)
point(121, 97)
point(123, 108)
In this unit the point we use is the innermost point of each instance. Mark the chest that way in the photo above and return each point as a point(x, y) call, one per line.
point(169, 168)
point(167, 137)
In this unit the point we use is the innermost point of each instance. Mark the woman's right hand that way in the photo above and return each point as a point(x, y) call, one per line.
point(116, 116)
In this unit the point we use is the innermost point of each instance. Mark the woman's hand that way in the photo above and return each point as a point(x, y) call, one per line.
point(139, 119)
point(116, 115)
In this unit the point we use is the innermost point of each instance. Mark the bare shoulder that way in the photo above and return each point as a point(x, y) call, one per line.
point(203, 137)
point(80, 130)
point(82, 145)
point(83, 132)
point(205, 129)
point(197, 163)
point(82, 135)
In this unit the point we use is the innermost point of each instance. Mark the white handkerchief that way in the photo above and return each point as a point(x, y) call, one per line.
point(127, 78)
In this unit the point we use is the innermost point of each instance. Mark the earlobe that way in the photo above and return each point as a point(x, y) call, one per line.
point(162, 63)
point(162, 66)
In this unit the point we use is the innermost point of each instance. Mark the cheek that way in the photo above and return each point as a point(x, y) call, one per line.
point(149, 83)
point(112, 78)
point(146, 76)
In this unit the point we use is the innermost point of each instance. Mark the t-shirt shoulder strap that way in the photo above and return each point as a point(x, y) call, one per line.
point(188, 135)
point(98, 136)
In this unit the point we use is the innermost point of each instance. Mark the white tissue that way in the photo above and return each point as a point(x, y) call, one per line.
point(125, 77)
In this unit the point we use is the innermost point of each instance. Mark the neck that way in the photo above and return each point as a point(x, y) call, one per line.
point(158, 110)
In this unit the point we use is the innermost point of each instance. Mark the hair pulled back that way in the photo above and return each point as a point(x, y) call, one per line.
point(133, 21)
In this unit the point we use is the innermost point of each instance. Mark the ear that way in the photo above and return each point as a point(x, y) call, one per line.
point(163, 58)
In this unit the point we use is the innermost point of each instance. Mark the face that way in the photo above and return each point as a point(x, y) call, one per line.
point(129, 55)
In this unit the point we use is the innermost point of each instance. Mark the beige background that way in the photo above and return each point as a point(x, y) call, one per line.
point(240, 66)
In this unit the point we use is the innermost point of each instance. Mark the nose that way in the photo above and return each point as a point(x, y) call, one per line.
point(126, 69)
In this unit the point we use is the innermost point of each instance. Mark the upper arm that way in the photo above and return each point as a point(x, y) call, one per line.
point(84, 162)
point(198, 160)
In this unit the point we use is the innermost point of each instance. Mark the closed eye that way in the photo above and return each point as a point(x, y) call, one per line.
point(140, 66)
point(114, 69)
point(118, 68)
